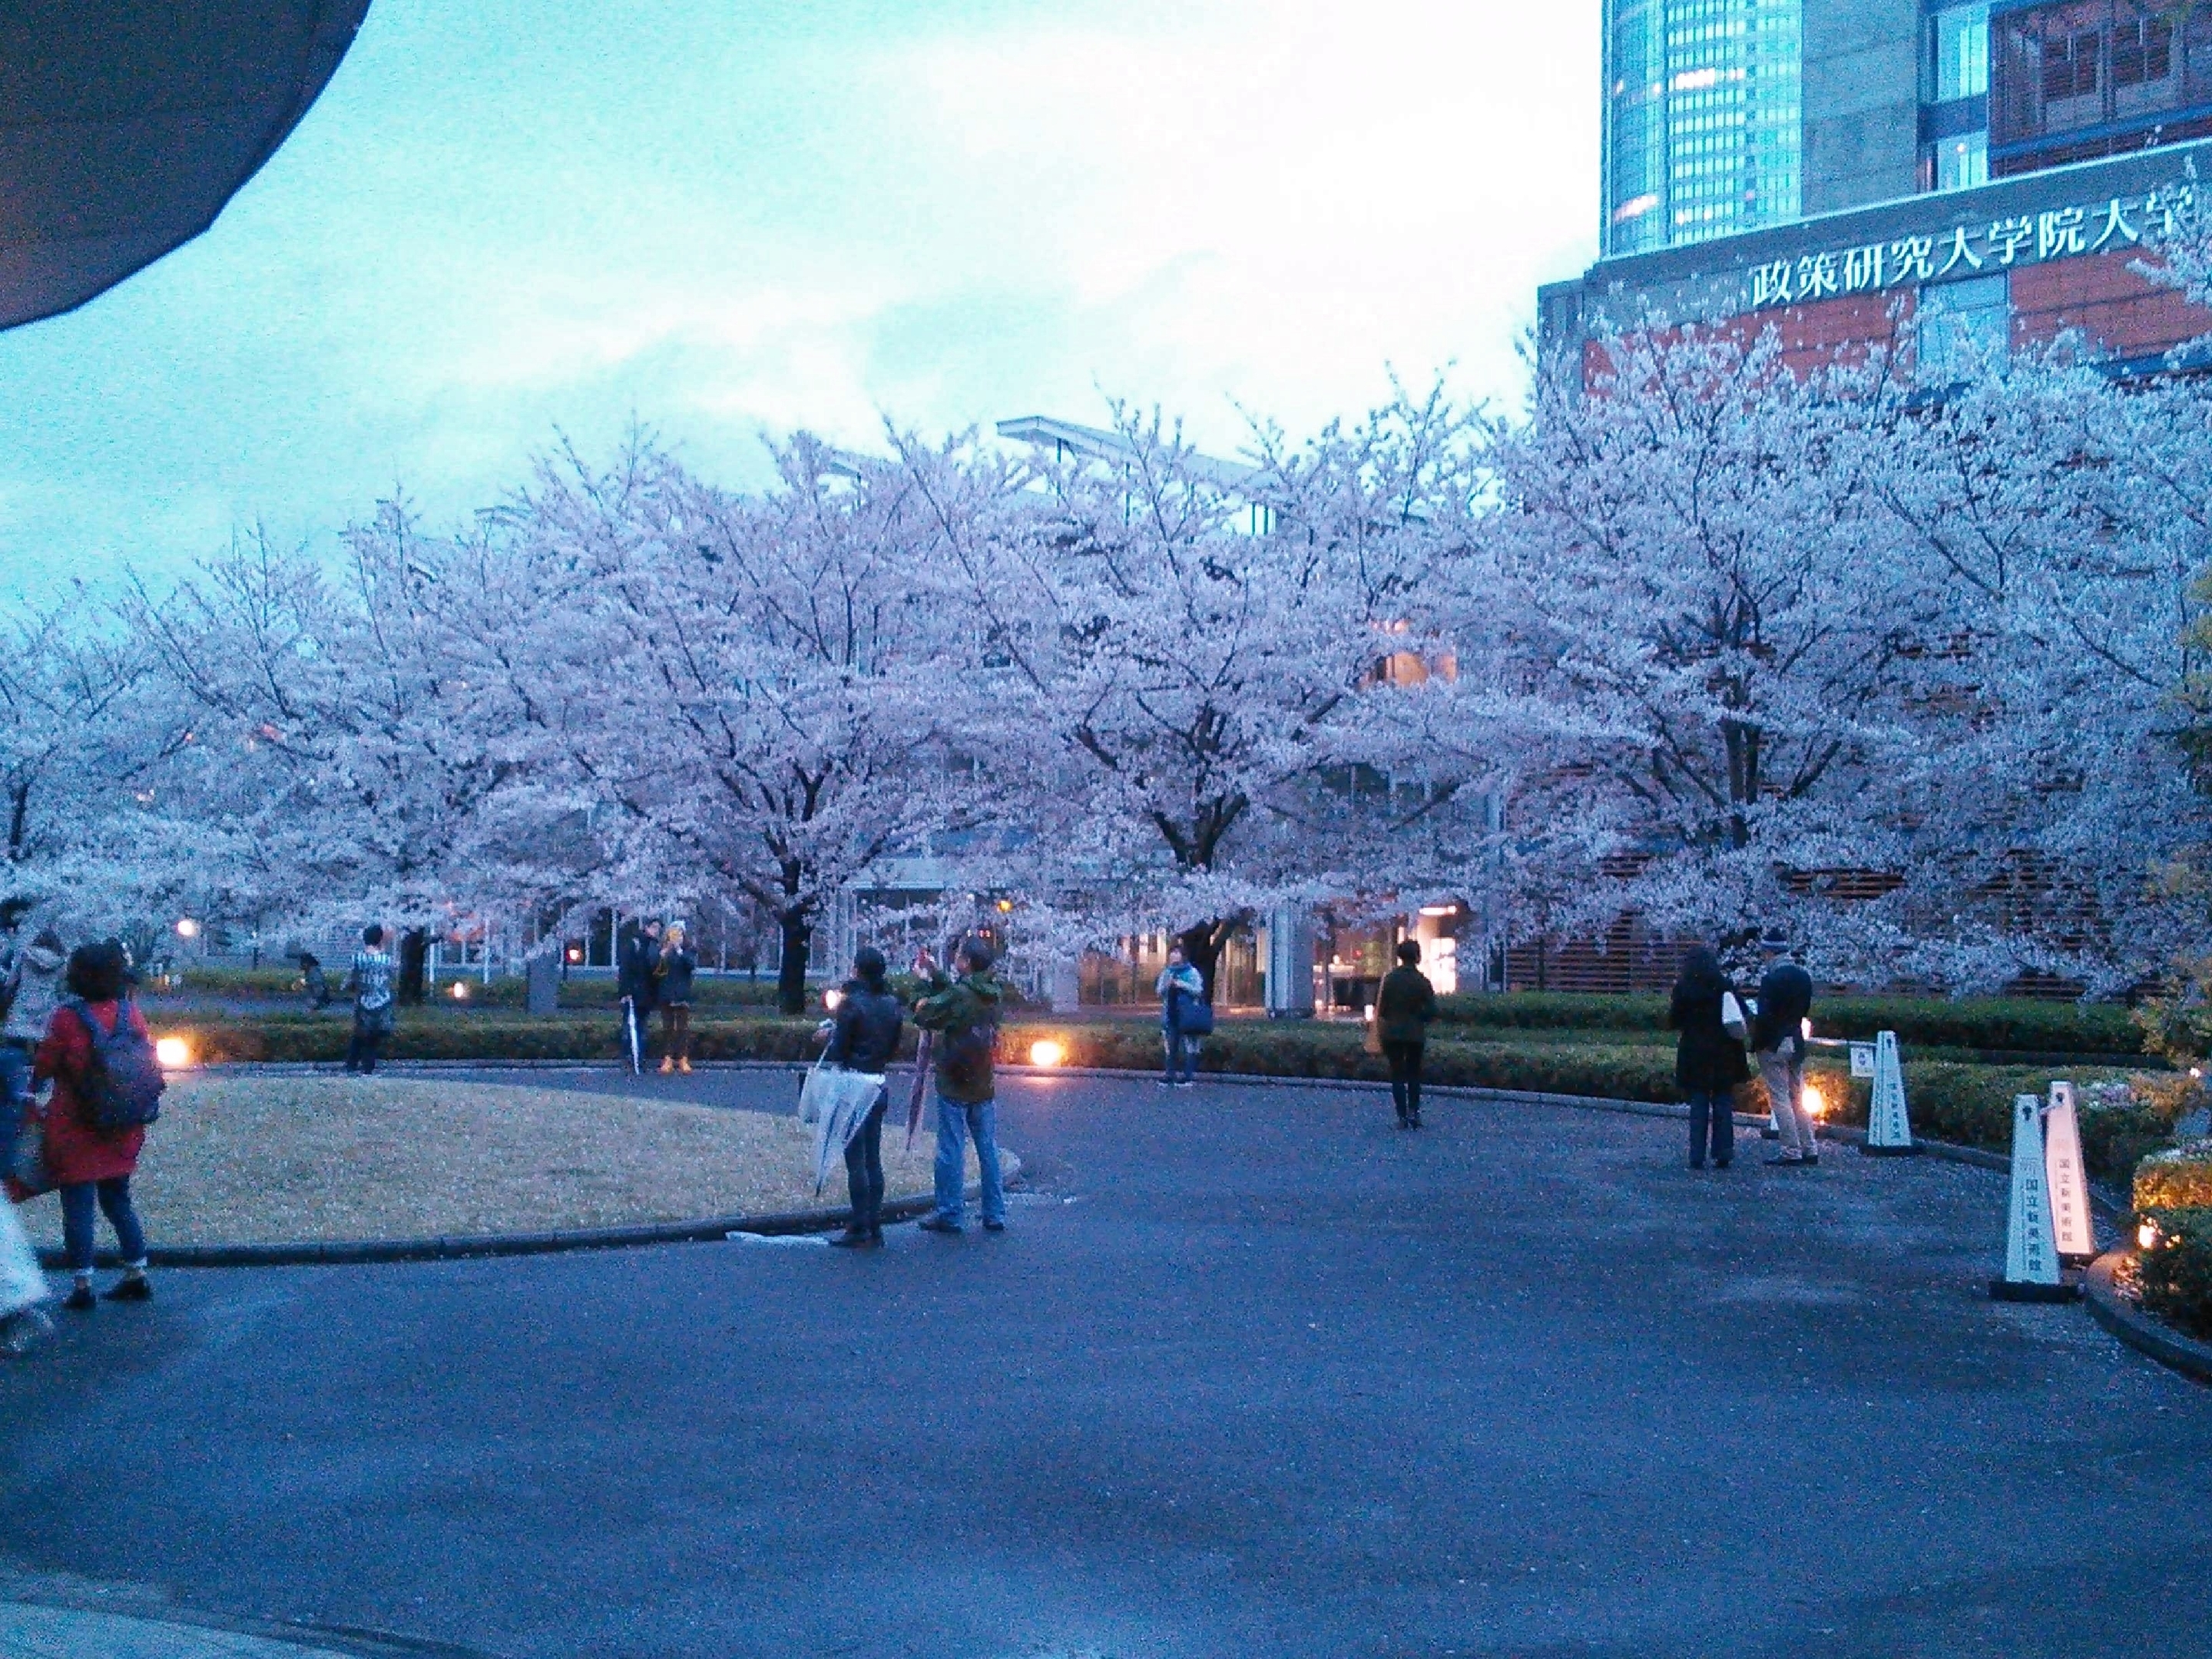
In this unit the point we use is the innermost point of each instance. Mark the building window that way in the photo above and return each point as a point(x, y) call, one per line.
point(1962, 328)
point(1958, 53)
point(2069, 66)
point(1959, 163)
point(2143, 51)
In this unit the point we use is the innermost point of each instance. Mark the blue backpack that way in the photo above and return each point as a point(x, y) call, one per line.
point(122, 1085)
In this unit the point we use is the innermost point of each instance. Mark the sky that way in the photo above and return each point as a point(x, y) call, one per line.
point(505, 224)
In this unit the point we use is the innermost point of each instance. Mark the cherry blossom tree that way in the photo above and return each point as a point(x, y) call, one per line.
point(83, 733)
point(775, 692)
point(1178, 649)
point(352, 755)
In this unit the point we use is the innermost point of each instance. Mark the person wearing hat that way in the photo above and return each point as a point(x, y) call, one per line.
point(1777, 1043)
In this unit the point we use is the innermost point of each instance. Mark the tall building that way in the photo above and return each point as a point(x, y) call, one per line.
point(1724, 116)
point(1701, 120)
point(1837, 169)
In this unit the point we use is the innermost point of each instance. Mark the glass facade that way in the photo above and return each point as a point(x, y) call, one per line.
point(1954, 98)
point(1702, 120)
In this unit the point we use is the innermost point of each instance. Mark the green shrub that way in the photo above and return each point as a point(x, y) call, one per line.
point(425, 1034)
point(581, 992)
point(1962, 1103)
point(2177, 1273)
point(2015, 1024)
point(2175, 1178)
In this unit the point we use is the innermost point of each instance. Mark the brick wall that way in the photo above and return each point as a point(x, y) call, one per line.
point(2120, 310)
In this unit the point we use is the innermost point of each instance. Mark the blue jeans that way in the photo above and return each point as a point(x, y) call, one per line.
point(955, 1123)
point(1182, 1051)
point(863, 1170)
point(113, 1197)
point(1712, 1119)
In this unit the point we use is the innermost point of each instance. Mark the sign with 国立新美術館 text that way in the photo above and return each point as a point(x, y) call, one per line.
point(1969, 249)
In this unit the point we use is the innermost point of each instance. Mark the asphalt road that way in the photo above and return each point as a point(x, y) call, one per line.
point(1252, 1373)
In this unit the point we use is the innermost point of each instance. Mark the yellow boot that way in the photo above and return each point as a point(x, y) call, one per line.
point(684, 1066)
point(666, 1065)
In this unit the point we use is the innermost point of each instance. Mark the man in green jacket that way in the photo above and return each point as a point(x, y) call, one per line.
point(1403, 1011)
point(964, 1012)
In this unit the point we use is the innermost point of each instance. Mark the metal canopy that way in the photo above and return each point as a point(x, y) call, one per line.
point(125, 125)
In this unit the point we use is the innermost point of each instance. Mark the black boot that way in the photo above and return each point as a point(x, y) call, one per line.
point(853, 1238)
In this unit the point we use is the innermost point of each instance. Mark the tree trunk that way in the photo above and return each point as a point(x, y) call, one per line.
point(414, 959)
point(791, 978)
point(1201, 949)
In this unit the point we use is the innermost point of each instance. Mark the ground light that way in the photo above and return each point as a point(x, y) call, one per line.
point(1814, 1105)
point(1046, 1052)
point(2148, 1235)
point(831, 998)
point(173, 1052)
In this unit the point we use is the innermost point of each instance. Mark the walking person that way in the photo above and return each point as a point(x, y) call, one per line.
point(965, 1014)
point(30, 980)
point(100, 1058)
point(373, 1015)
point(1709, 1063)
point(672, 993)
point(32, 988)
point(865, 1039)
point(1785, 999)
point(1404, 1008)
point(1181, 990)
point(635, 960)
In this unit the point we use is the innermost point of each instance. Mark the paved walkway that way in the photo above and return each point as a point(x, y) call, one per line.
point(63, 1633)
point(1252, 1373)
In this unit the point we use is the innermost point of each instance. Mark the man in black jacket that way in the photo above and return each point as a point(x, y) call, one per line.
point(865, 1039)
point(1785, 998)
point(634, 984)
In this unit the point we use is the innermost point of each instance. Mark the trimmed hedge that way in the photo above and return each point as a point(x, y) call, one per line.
point(284, 985)
point(1966, 1104)
point(2176, 1178)
point(422, 1034)
point(2177, 1273)
point(2017, 1025)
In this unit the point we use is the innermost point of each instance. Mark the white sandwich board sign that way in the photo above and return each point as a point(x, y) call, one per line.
point(2071, 1225)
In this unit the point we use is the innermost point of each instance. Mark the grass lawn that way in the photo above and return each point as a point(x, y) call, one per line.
point(281, 1159)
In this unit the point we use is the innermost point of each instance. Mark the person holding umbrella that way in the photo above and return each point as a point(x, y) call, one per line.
point(634, 985)
point(865, 1039)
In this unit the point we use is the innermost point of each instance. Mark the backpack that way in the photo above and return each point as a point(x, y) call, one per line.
point(122, 1084)
point(963, 1058)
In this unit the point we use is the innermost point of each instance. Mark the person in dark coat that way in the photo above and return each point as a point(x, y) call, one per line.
point(634, 961)
point(1402, 1012)
point(91, 1166)
point(865, 1039)
point(1778, 1037)
point(1709, 1063)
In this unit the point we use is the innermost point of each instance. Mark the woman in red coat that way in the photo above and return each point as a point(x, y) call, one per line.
point(91, 1166)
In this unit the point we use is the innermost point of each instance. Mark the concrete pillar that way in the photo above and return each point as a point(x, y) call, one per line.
point(1290, 962)
point(1064, 985)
